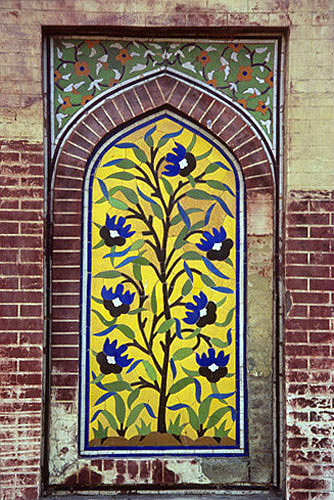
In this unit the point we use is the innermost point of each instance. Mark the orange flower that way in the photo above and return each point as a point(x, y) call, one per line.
point(236, 47)
point(91, 43)
point(204, 58)
point(261, 107)
point(123, 56)
point(213, 82)
point(243, 102)
point(57, 75)
point(113, 81)
point(245, 73)
point(66, 103)
point(85, 99)
point(269, 79)
point(81, 68)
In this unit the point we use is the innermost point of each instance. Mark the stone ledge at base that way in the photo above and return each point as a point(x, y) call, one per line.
point(177, 495)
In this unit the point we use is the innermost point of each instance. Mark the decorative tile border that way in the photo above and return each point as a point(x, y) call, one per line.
point(243, 70)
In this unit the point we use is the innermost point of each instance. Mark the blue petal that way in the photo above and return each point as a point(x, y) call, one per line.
point(203, 360)
point(222, 165)
point(184, 215)
point(221, 359)
point(127, 261)
point(104, 397)
point(178, 328)
point(123, 361)
point(222, 289)
point(229, 189)
point(171, 170)
point(198, 390)
point(126, 145)
point(134, 365)
point(229, 337)
point(201, 300)
point(188, 271)
point(149, 410)
point(180, 151)
point(96, 414)
point(112, 162)
point(221, 396)
point(104, 189)
point(224, 206)
point(191, 318)
point(213, 269)
point(177, 407)
point(105, 332)
point(208, 214)
point(146, 198)
point(173, 367)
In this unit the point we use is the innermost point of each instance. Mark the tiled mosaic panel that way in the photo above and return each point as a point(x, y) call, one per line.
point(162, 344)
point(245, 72)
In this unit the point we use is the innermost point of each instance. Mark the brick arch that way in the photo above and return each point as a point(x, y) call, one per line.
point(226, 122)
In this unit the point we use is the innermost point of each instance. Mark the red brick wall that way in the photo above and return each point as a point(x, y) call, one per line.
point(310, 344)
point(21, 323)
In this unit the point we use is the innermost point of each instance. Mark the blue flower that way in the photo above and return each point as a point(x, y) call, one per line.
point(117, 302)
point(202, 313)
point(216, 245)
point(115, 233)
point(211, 366)
point(180, 162)
point(111, 359)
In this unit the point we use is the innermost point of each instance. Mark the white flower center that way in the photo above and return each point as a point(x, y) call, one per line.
point(183, 163)
point(202, 312)
point(113, 233)
point(217, 246)
point(213, 367)
point(116, 302)
point(111, 360)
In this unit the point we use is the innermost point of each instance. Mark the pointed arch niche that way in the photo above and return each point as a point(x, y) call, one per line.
point(162, 273)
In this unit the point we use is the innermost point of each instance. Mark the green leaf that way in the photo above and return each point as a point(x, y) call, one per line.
point(126, 163)
point(120, 408)
point(137, 271)
point(128, 332)
point(211, 168)
point(221, 302)
point(142, 261)
point(118, 386)
point(216, 416)
point(190, 373)
point(167, 185)
point(187, 287)
point(166, 325)
point(229, 262)
point(151, 373)
point(102, 319)
point(182, 353)
point(140, 155)
point(180, 384)
point(228, 318)
point(203, 411)
point(157, 210)
point(179, 242)
point(111, 419)
point(191, 256)
point(204, 155)
point(132, 397)
point(154, 300)
point(114, 202)
point(99, 301)
point(108, 274)
point(193, 419)
point(191, 180)
point(98, 245)
point(199, 194)
point(98, 378)
point(137, 311)
point(197, 225)
point(216, 185)
point(219, 343)
point(207, 281)
point(193, 334)
point(137, 245)
point(124, 176)
point(134, 414)
point(97, 225)
point(129, 194)
point(192, 143)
